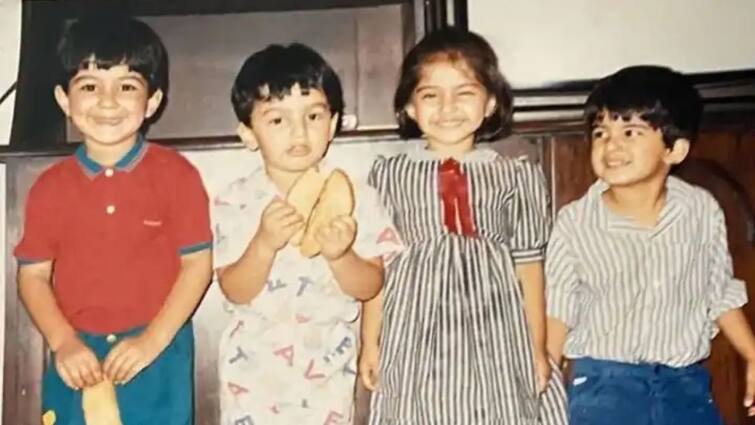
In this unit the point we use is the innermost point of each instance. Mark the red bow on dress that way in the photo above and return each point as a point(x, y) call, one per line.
point(454, 192)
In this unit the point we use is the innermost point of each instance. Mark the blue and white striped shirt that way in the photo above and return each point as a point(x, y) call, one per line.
point(641, 295)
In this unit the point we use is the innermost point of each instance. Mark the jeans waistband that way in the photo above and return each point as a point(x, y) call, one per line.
point(589, 365)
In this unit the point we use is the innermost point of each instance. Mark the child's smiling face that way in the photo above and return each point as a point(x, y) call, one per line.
point(631, 151)
point(109, 105)
point(449, 104)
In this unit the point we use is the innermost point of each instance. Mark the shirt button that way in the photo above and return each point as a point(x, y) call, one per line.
point(110, 209)
point(110, 338)
point(108, 172)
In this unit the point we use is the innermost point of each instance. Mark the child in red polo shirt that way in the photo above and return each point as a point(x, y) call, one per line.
point(121, 230)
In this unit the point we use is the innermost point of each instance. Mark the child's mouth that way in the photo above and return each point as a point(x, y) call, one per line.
point(615, 163)
point(299, 151)
point(107, 121)
point(449, 124)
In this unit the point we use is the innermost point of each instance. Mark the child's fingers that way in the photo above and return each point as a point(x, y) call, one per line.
point(276, 204)
point(367, 378)
point(115, 362)
point(66, 376)
point(289, 220)
point(89, 375)
point(109, 364)
point(133, 371)
point(92, 371)
point(542, 383)
point(125, 369)
point(344, 225)
point(325, 234)
point(749, 393)
point(751, 411)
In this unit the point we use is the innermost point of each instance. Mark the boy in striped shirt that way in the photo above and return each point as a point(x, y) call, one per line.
point(639, 275)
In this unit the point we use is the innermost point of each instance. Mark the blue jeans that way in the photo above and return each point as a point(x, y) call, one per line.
point(613, 393)
point(162, 393)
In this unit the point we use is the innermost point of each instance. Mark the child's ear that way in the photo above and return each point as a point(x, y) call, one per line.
point(677, 152)
point(490, 106)
point(247, 136)
point(62, 98)
point(334, 125)
point(409, 109)
point(153, 103)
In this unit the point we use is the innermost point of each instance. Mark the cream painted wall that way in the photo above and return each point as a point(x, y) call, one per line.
point(10, 31)
point(553, 40)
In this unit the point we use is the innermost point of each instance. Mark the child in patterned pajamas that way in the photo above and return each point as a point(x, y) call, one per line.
point(289, 354)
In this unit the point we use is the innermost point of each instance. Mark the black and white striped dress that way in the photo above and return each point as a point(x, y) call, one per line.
point(455, 345)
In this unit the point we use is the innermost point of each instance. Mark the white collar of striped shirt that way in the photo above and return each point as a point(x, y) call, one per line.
point(676, 205)
point(478, 154)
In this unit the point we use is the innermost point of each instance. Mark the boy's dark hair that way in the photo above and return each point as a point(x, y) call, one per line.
point(457, 46)
point(273, 71)
point(107, 40)
point(664, 98)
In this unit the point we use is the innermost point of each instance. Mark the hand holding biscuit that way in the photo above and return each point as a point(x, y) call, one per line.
point(336, 237)
point(327, 202)
point(279, 222)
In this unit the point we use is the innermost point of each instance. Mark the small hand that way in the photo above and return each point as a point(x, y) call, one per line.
point(369, 362)
point(337, 237)
point(542, 371)
point(750, 389)
point(130, 356)
point(77, 364)
point(278, 224)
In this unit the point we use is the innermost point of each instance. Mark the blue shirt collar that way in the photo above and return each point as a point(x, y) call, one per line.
point(127, 163)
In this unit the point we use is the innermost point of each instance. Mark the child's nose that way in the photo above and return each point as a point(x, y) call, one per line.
point(107, 99)
point(447, 104)
point(299, 130)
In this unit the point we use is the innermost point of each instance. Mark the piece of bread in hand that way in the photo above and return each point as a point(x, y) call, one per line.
point(336, 199)
point(100, 404)
point(303, 196)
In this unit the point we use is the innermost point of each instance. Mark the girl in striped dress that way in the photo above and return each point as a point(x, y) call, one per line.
point(458, 335)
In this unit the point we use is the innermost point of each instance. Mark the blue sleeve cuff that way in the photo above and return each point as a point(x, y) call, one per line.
point(195, 248)
point(24, 261)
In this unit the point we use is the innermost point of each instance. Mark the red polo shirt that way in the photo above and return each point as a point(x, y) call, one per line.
point(115, 234)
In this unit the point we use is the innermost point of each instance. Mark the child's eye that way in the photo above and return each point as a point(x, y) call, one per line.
point(428, 96)
point(598, 134)
point(128, 87)
point(275, 121)
point(632, 132)
point(315, 116)
point(88, 87)
point(467, 93)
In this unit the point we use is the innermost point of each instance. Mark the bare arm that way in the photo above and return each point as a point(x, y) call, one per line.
point(36, 293)
point(131, 355)
point(76, 363)
point(243, 280)
point(533, 287)
point(187, 291)
point(369, 356)
point(737, 330)
point(372, 320)
point(361, 278)
point(556, 339)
